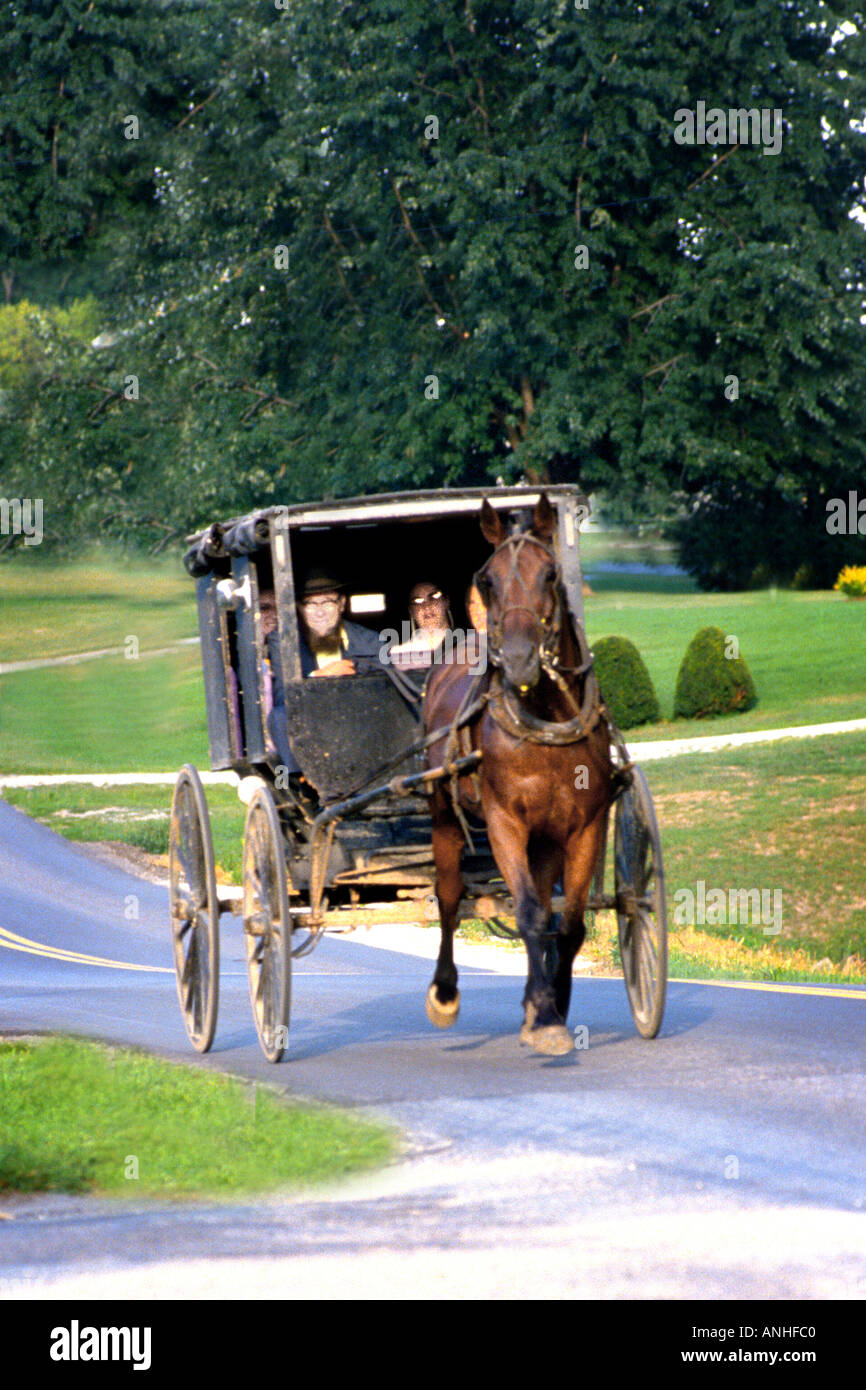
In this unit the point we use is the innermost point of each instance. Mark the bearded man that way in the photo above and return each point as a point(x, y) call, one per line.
point(329, 646)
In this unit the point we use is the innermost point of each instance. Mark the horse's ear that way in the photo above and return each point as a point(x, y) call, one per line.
point(544, 519)
point(491, 525)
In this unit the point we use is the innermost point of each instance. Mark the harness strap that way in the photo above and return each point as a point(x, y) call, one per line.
point(561, 683)
point(527, 727)
point(406, 688)
point(466, 710)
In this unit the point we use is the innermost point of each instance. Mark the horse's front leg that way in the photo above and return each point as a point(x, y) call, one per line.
point(543, 1027)
point(443, 996)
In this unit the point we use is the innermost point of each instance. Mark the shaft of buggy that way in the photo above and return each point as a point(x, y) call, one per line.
point(323, 826)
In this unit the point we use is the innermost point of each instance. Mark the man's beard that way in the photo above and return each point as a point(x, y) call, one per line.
point(319, 643)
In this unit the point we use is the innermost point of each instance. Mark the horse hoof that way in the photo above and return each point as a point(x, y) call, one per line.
point(552, 1041)
point(439, 1014)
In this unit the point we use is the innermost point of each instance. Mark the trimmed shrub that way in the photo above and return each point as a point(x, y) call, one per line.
point(625, 682)
point(709, 682)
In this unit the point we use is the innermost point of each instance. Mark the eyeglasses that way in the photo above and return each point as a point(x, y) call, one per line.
point(320, 605)
point(428, 598)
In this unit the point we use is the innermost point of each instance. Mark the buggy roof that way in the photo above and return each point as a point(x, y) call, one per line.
point(393, 506)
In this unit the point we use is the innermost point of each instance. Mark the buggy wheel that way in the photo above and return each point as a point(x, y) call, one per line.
point(267, 924)
point(195, 909)
point(641, 909)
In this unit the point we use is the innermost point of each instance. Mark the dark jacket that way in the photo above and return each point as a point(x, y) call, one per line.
point(362, 647)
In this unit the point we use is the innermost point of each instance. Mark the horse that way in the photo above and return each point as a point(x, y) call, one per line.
point(543, 786)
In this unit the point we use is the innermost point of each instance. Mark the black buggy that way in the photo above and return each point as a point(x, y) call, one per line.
point(349, 842)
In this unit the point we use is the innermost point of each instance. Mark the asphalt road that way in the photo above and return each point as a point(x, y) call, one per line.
point(724, 1159)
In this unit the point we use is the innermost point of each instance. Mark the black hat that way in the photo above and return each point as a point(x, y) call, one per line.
point(319, 581)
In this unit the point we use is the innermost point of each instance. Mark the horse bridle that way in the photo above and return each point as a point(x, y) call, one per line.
point(549, 628)
point(515, 719)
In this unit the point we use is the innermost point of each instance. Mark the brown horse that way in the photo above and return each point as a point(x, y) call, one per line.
point(544, 784)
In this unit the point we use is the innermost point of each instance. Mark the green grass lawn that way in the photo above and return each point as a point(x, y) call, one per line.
point(97, 601)
point(110, 715)
point(78, 1116)
point(806, 652)
point(782, 816)
point(136, 816)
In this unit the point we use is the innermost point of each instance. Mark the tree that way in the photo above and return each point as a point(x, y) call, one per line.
point(402, 244)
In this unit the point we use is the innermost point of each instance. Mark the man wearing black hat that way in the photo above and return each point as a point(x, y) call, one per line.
point(329, 646)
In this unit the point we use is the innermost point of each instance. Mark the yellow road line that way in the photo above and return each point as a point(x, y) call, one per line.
point(12, 942)
point(822, 990)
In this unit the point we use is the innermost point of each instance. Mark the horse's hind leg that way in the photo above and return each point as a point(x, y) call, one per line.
point(443, 996)
point(581, 857)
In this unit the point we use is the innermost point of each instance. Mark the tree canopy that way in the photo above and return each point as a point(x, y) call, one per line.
point(347, 247)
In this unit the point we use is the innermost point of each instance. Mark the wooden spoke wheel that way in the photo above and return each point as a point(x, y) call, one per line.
point(195, 909)
point(267, 924)
point(640, 905)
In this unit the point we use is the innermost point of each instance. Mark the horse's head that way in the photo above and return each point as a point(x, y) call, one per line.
point(520, 586)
